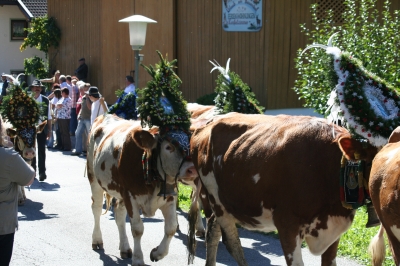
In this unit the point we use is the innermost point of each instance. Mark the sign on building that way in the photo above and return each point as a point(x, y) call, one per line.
point(241, 15)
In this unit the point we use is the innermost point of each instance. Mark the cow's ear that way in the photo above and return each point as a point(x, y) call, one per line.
point(347, 146)
point(145, 140)
point(11, 132)
point(395, 136)
point(40, 127)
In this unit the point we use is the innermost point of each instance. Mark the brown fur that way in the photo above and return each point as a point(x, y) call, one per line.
point(384, 187)
point(297, 159)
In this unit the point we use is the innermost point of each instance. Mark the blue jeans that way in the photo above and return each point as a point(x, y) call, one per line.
point(83, 126)
point(73, 122)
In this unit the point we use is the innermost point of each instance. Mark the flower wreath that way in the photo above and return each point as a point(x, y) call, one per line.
point(233, 95)
point(365, 104)
point(20, 109)
point(161, 102)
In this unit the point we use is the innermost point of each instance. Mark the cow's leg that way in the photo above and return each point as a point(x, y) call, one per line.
point(120, 219)
point(21, 195)
point(393, 234)
point(97, 207)
point(170, 223)
point(230, 238)
point(137, 229)
point(290, 239)
point(328, 258)
point(200, 230)
point(213, 235)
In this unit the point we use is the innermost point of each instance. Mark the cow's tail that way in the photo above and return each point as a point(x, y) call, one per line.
point(192, 219)
point(377, 248)
point(108, 202)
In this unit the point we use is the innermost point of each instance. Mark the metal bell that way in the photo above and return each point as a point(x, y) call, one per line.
point(373, 219)
point(167, 190)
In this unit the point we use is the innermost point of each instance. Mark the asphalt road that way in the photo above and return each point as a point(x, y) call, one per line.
point(56, 223)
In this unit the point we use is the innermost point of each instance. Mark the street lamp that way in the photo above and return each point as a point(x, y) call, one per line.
point(137, 37)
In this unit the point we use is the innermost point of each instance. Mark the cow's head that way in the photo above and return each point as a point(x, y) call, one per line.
point(25, 140)
point(172, 159)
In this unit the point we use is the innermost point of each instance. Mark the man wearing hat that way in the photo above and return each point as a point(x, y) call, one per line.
point(99, 106)
point(82, 71)
point(36, 89)
point(5, 85)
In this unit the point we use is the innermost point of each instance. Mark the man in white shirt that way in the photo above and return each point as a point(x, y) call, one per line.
point(99, 106)
point(41, 137)
point(130, 86)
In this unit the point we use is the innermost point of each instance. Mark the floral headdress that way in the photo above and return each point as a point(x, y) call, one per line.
point(232, 94)
point(161, 104)
point(366, 105)
point(22, 111)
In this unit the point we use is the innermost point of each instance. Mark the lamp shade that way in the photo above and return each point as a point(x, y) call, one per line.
point(137, 30)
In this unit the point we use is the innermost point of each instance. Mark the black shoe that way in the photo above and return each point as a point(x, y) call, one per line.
point(42, 177)
point(74, 153)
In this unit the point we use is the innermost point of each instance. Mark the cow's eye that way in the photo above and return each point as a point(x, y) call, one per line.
point(168, 148)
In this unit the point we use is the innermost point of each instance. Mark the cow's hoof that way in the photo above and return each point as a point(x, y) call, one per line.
point(152, 258)
point(126, 254)
point(97, 246)
point(201, 234)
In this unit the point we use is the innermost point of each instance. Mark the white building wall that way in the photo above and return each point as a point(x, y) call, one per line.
point(11, 58)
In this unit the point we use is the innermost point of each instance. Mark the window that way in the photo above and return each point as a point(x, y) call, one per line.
point(17, 29)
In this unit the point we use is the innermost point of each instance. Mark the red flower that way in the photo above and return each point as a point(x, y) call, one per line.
point(385, 101)
point(365, 120)
point(369, 135)
point(363, 130)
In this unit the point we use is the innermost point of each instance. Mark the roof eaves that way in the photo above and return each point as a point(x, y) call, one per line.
point(25, 10)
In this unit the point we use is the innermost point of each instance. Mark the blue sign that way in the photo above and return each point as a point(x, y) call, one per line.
point(241, 15)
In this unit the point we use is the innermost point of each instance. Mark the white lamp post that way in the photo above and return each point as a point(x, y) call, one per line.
point(137, 37)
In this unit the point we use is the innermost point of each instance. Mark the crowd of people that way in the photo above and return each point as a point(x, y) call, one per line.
point(71, 106)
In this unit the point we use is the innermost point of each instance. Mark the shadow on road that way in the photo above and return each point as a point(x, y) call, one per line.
point(263, 245)
point(31, 211)
point(43, 186)
point(108, 260)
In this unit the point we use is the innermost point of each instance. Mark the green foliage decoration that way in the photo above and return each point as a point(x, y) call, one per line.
point(20, 108)
point(43, 34)
point(233, 95)
point(161, 102)
point(36, 66)
point(207, 99)
point(371, 37)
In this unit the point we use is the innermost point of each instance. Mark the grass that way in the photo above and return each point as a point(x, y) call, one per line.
point(353, 244)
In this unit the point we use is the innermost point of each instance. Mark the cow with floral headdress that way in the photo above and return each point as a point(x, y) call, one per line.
point(140, 166)
point(23, 113)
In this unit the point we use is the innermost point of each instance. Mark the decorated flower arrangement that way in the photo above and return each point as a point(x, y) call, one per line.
point(125, 107)
point(161, 102)
point(19, 108)
point(365, 104)
point(233, 95)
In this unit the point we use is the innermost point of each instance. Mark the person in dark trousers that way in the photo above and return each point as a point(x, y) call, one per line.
point(82, 71)
point(5, 85)
point(14, 171)
point(43, 136)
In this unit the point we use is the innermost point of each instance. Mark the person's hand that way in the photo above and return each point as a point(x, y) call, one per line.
point(49, 132)
point(101, 100)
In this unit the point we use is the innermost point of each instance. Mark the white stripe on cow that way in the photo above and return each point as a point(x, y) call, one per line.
point(396, 231)
point(256, 178)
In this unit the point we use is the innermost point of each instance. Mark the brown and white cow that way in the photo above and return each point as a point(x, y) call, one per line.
point(384, 187)
point(24, 142)
point(274, 173)
point(114, 165)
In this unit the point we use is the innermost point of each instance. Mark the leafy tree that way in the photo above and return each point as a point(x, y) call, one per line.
point(368, 35)
point(43, 34)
